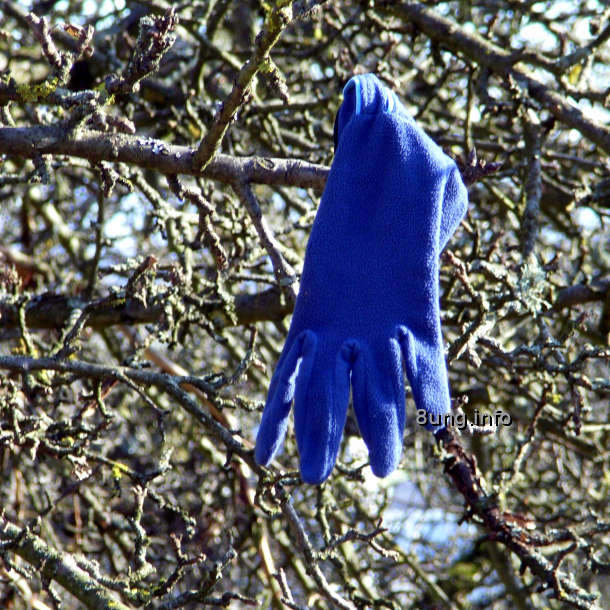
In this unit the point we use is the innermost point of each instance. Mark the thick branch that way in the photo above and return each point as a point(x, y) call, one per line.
point(30, 142)
point(533, 184)
point(505, 63)
point(53, 310)
point(57, 566)
point(582, 293)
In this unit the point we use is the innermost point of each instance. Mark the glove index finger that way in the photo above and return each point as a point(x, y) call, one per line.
point(274, 422)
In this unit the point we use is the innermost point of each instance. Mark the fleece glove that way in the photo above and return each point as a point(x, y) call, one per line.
point(369, 290)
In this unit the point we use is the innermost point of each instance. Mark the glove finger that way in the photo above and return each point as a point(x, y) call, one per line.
point(455, 203)
point(274, 422)
point(379, 403)
point(427, 373)
point(320, 407)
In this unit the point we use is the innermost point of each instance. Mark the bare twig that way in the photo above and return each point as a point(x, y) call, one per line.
point(169, 384)
point(284, 273)
point(310, 558)
point(155, 38)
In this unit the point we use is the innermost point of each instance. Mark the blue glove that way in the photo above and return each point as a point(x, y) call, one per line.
point(369, 290)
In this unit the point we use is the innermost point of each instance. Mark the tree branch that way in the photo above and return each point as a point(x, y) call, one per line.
point(284, 273)
point(58, 566)
point(170, 384)
point(53, 310)
point(505, 63)
point(277, 19)
point(94, 146)
point(503, 527)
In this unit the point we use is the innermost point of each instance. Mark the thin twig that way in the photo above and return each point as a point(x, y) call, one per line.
point(284, 273)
